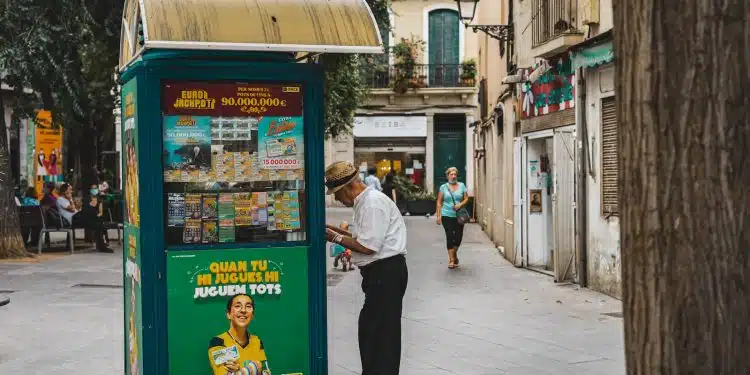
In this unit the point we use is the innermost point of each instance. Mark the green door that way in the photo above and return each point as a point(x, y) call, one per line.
point(443, 48)
point(450, 147)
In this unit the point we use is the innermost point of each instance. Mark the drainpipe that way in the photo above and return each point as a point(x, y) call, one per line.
point(581, 201)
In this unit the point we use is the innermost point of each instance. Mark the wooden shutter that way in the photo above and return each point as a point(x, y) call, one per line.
point(609, 157)
point(483, 100)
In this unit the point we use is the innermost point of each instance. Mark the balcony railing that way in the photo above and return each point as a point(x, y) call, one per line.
point(403, 78)
point(552, 18)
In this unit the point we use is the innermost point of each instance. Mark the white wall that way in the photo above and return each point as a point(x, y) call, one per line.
point(603, 235)
point(410, 18)
point(469, 156)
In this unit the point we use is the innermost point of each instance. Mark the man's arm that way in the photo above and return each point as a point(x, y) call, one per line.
point(347, 242)
point(370, 235)
point(338, 230)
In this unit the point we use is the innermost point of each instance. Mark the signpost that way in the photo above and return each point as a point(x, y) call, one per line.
point(223, 166)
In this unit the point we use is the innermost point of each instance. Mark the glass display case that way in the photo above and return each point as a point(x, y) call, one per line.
point(234, 168)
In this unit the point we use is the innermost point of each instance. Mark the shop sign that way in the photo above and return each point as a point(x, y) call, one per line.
point(553, 91)
point(390, 126)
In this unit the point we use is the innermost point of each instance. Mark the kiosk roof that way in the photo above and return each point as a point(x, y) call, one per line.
point(333, 26)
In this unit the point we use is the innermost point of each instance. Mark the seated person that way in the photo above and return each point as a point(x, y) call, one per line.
point(87, 217)
point(100, 199)
point(30, 199)
point(49, 198)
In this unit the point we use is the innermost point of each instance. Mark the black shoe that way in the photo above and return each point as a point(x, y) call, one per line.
point(4, 301)
point(104, 249)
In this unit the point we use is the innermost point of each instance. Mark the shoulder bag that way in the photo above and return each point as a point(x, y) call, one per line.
point(462, 215)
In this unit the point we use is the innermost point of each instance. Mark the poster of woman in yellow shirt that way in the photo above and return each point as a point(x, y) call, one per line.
point(236, 351)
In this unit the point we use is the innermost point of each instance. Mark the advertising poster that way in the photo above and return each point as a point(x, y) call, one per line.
point(187, 148)
point(131, 249)
point(48, 156)
point(31, 154)
point(242, 310)
point(280, 143)
point(229, 113)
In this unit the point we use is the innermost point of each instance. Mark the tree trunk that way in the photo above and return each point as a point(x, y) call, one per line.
point(683, 104)
point(11, 244)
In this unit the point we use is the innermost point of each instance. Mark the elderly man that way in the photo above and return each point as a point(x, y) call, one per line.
point(378, 244)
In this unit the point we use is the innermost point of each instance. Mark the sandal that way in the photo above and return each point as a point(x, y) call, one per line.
point(452, 262)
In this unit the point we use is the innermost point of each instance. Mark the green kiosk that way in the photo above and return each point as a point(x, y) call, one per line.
point(224, 260)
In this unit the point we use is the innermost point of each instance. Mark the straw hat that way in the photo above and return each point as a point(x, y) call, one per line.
point(339, 174)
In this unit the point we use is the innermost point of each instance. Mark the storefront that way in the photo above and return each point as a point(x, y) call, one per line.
point(545, 157)
point(391, 143)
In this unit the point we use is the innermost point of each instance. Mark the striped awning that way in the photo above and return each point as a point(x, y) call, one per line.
point(593, 56)
point(331, 26)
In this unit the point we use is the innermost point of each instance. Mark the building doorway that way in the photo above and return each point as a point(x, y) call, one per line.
point(450, 147)
point(546, 201)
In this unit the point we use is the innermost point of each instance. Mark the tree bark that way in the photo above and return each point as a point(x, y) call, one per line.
point(11, 244)
point(683, 98)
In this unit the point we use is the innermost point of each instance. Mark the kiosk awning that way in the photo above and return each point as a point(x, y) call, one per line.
point(333, 26)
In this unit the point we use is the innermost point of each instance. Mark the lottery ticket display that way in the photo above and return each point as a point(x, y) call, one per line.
point(234, 165)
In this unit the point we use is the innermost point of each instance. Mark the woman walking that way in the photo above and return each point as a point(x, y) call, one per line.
point(451, 200)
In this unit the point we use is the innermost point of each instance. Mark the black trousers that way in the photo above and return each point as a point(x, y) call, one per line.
point(454, 232)
point(88, 219)
point(30, 235)
point(384, 284)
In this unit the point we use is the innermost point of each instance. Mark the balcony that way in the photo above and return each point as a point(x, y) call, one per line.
point(554, 27)
point(401, 78)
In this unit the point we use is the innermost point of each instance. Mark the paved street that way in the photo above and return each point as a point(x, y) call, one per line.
point(486, 318)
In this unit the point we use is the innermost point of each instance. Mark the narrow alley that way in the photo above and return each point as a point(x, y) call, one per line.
point(485, 318)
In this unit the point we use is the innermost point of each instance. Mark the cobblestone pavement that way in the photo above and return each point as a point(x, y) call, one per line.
point(486, 318)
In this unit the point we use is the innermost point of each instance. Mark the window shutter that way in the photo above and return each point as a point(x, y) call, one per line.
point(610, 155)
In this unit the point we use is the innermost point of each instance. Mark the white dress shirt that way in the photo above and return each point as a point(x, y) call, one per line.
point(378, 226)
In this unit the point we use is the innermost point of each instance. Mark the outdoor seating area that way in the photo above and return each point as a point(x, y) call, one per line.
point(39, 221)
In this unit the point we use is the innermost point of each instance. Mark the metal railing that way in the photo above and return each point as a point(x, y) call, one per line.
point(418, 76)
point(552, 18)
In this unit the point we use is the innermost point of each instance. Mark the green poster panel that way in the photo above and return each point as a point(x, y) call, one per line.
point(132, 245)
point(200, 329)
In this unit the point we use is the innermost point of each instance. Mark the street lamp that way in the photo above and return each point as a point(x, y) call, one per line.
point(504, 33)
point(467, 9)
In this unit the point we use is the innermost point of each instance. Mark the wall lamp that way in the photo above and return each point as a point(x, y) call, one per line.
point(504, 33)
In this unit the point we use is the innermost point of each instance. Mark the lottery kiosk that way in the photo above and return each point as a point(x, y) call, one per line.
point(222, 137)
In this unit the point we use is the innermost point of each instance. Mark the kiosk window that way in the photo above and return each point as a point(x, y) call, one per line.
point(233, 162)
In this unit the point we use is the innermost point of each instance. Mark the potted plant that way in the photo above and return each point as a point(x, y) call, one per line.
point(469, 72)
point(421, 203)
point(405, 54)
point(412, 198)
